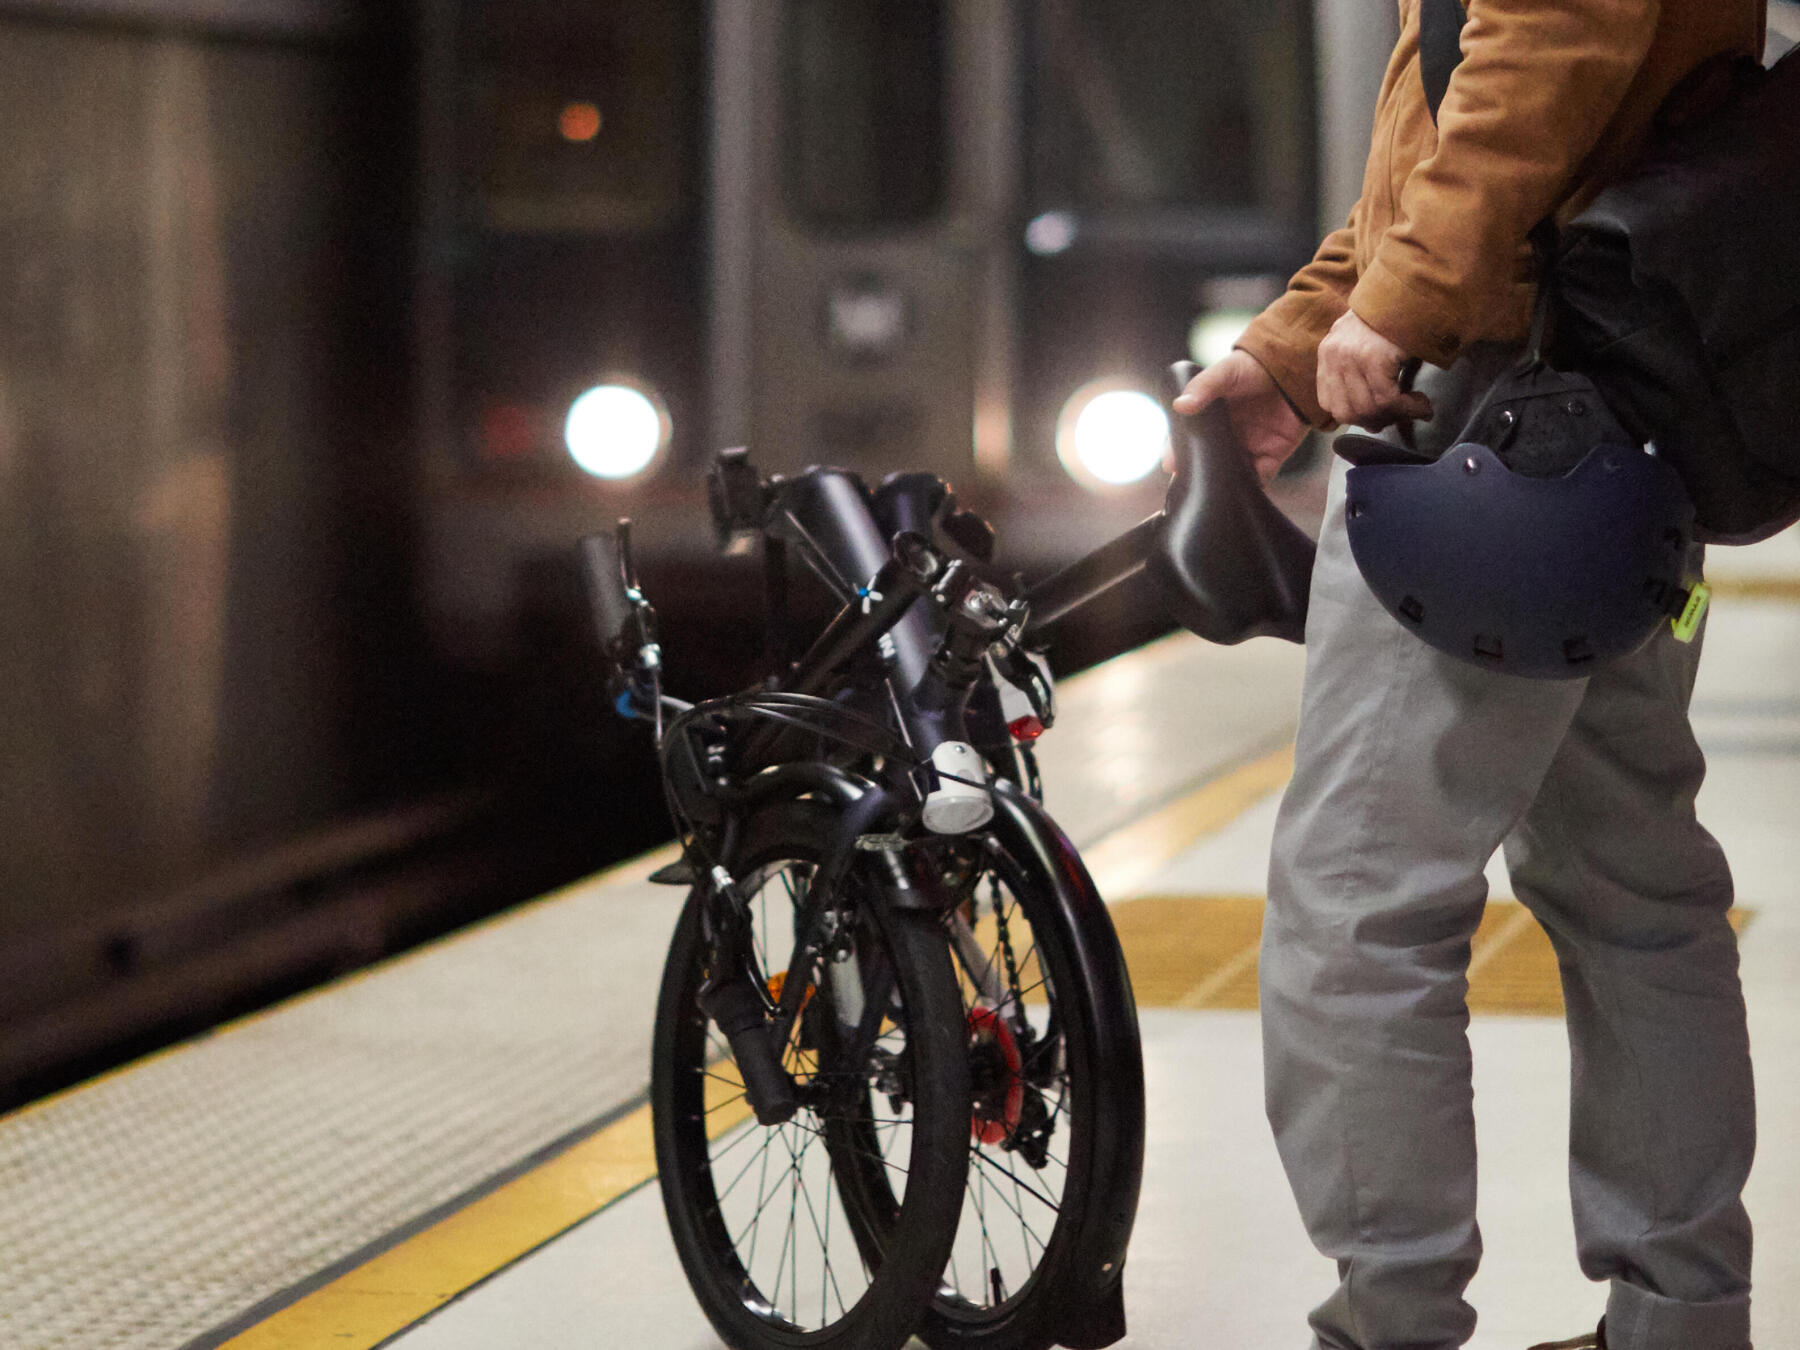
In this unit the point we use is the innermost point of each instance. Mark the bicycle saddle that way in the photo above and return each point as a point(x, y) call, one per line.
point(1230, 565)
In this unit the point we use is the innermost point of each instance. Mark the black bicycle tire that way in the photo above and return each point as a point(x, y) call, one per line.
point(1029, 1318)
point(1079, 953)
point(919, 1242)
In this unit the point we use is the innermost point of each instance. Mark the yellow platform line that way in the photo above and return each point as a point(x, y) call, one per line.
point(1134, 853)
point(1757, 587)
point(411, 1280)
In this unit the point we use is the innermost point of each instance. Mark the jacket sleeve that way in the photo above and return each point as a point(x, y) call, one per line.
point(1539, 81)
point(1285, 337)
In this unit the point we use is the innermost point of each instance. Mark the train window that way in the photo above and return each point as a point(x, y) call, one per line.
point(1172, 103)
point(863, 113)
point(586, 114)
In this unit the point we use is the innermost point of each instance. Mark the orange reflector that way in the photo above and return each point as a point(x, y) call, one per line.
point(778, 981)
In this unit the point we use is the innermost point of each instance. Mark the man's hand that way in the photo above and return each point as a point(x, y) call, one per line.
point(1268, 427)
point(1359, 377)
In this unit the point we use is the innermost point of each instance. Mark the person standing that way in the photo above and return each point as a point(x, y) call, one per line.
point(1412, 767)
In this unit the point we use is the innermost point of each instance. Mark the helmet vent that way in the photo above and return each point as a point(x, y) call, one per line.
point(1576, 650)
point(1491, 647)
point(1411, 609)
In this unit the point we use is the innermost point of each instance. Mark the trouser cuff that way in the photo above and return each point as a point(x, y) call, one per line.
point(1636, 1319)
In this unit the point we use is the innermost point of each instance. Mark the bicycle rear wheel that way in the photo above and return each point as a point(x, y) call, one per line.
point(831, 1229)
point(1055, 1134)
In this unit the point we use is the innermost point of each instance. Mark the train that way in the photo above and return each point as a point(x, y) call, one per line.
point(956, 236)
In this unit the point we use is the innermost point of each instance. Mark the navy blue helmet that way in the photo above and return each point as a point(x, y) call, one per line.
point(1545, 543)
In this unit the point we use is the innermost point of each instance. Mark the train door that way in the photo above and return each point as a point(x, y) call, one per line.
point(861, 241)
point(1169, 186)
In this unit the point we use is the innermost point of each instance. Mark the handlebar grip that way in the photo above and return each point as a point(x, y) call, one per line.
point(603, 559)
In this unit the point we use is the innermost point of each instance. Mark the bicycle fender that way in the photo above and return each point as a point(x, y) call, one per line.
point(799, 779)
point(858, 807)
point(1095, 1314)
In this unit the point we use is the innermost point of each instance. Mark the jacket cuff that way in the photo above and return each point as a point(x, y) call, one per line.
point(1407, 315)
point(1284, 340)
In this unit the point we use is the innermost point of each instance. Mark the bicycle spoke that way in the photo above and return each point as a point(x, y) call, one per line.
point(754, 1229)
point(1018, 1212)
point(824, 1242)
point(763, 1153)
point(794, 1247)
point(738, 1138)
point(886, 1162)
point(763, 1203)
point(990, 1259)
point(830, 1176)
point(1026, 1186)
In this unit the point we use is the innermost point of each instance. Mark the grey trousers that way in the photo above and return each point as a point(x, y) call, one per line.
point(1411, 768)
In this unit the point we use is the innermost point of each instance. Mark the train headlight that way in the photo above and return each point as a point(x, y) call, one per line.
point(1110, 434)
point(616, 430)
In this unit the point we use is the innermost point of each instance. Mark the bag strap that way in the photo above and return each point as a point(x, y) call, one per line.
point(1440, 48)
point(1440, 53)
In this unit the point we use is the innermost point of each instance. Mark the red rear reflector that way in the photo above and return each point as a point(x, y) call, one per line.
point(1026, 728)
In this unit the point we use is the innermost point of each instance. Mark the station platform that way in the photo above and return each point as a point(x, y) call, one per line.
point(452, 1150)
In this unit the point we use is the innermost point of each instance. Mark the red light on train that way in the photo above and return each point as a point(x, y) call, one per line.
point(579, 122)
point(508, 431)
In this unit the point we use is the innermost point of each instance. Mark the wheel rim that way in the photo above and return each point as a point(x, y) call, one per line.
point(795, 1214)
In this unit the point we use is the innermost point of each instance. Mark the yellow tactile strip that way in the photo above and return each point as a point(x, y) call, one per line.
point(1188, 951)
point(409, 1282)
point(1134, 853)
point(1757, 587)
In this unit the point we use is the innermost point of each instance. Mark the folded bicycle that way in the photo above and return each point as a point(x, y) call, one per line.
point(896, 1078)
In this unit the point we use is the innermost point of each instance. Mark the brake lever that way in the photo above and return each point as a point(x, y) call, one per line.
point(1029, 673)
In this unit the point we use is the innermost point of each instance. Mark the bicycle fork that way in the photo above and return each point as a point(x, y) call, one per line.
point(824, 947)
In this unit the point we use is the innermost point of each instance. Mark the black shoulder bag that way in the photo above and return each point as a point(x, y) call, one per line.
point(1677, 292)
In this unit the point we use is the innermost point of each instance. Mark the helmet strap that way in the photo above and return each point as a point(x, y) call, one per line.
point(1543, 246)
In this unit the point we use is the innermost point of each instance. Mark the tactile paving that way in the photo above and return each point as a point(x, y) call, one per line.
point(145, 1209)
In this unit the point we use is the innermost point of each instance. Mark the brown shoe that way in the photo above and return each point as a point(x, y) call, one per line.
point(1594, 1340)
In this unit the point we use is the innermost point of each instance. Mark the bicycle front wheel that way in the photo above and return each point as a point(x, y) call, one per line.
point(828, 1230)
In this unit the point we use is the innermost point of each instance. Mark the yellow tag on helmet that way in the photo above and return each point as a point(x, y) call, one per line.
point(1687, 623)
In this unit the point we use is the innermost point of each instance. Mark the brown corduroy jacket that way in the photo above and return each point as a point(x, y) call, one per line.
point(1552, 100)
